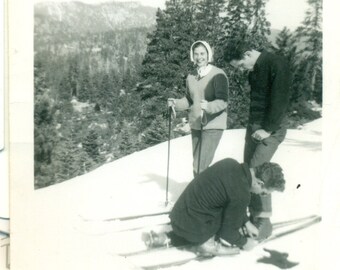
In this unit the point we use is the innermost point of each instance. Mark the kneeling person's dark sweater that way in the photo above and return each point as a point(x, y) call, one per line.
point(214, 203)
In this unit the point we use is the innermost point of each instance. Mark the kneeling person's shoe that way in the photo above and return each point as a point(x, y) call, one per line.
point(213, 248)
point(153, 239)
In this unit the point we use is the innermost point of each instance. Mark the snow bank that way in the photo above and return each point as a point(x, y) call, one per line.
point(64, 228)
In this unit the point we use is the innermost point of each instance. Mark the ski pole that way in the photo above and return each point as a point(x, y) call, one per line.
point(199, 151)
point(203, 122)
point(170, 111)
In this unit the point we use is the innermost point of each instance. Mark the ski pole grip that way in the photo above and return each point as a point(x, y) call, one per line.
point(204, 119)
point(172, 112)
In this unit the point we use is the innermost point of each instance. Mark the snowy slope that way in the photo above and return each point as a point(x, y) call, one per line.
point(68, 231)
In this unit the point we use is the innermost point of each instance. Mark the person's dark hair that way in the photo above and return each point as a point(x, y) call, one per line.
point(234, 50)
point(272, 176)
point(197, 44)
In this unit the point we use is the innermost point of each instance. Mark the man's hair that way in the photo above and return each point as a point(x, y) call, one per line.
point(236, 46)
point(272, 176)
point(234, 50)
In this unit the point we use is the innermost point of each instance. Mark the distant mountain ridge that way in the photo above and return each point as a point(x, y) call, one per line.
point(88, 18)
point(78, 17)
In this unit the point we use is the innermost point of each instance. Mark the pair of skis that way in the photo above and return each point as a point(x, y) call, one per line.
point(169, 256)
point(159, 216)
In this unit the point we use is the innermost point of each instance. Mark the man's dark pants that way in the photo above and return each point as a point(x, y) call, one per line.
point(255, 154)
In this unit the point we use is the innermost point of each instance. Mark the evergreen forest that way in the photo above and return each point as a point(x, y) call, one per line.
point(101, 95)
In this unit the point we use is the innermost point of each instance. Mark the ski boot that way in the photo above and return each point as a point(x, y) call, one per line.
point(153, 239)
point(212, 248)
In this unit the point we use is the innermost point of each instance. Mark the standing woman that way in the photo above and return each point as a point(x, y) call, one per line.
point(206, 100)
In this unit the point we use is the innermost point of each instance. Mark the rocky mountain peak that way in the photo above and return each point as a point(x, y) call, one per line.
point(81, 17)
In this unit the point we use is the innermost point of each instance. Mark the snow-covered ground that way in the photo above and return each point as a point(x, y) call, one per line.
point(64, 222)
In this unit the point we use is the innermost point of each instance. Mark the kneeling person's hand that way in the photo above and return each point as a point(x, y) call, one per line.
point(251, 243)
point(252, 230)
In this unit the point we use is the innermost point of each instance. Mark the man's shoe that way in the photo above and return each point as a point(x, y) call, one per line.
point(213, 248)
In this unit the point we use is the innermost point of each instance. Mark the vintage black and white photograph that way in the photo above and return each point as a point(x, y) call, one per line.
point(170, 134)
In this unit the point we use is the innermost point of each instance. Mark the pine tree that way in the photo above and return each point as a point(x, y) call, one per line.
point(44, 126)
point(84, 93)
point(167, 60)
point(73, 74)
point(70, 160)
point(106, 92)
point(127, 143)
point(260, 27)
point(311, 34)
point(245, 20)
point(64, 90)
point(44, 175)
point(286, 45)
point(91, 145)
point(209, 23)
point(156, 132)
point(236, 22)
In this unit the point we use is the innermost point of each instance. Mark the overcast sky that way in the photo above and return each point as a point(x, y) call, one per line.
point(280, 13)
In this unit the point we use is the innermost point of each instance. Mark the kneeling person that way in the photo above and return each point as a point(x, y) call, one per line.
point(213, 208)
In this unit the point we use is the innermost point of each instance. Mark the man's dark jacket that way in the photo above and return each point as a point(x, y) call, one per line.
point(215, 202)
point(270, 83)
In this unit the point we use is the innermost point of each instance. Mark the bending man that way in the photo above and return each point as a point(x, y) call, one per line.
point(269, 79)
point(213, 207)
